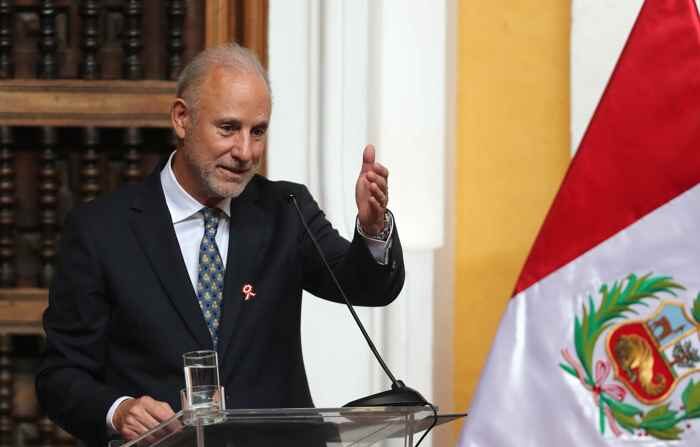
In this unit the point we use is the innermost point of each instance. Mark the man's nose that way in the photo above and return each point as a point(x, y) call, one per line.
point(242, 147)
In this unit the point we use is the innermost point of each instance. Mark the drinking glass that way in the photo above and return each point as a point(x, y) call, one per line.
point(203, 396)
point(207, 405)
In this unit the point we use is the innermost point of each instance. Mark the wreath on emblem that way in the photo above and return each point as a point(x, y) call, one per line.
point(661, 421)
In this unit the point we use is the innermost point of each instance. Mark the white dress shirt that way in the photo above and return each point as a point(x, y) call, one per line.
point(188, 221)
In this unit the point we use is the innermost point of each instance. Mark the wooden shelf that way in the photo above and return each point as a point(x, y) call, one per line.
point(79, 103)
point(21, 310)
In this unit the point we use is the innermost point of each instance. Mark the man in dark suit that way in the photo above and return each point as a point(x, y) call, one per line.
point(204, 254)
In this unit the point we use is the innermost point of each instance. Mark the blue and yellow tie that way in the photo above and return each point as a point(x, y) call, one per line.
point(210, 279)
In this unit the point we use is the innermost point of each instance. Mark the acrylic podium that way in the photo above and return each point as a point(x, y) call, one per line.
point(309, 427)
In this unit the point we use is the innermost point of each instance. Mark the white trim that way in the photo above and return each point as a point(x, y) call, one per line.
point(407, 106)
point(345, 73)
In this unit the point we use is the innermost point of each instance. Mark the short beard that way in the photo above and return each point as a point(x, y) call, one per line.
point(223, 189)
point(208, 180)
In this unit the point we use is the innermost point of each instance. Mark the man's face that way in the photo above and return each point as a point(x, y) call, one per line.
point(224, 140)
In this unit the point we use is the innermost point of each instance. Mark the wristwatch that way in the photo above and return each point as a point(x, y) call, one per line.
point(384, 234)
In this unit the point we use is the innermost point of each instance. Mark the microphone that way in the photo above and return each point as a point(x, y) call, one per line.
point(399, 394)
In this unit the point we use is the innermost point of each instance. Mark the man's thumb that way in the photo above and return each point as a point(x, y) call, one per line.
point(367, 158)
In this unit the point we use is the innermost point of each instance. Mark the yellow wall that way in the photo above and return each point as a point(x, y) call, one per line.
point(512, 151)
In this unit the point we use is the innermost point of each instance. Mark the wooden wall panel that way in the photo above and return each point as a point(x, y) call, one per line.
point(218, 30)
point(68, 103)
point(90, 123)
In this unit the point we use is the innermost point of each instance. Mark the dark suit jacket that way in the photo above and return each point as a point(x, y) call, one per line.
point(122, 309)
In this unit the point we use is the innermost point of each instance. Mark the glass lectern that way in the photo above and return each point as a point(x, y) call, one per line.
point(308, 427)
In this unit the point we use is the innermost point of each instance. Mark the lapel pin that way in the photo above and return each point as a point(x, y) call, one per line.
point(248, 292)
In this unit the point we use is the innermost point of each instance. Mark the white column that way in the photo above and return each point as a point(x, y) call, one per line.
point(407, 107)
point(293, 44)
point(347, 73)
point(318, 70)
point(407, 111)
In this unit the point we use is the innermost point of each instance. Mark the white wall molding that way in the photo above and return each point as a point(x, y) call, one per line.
point(346, 73)
point(407, 109)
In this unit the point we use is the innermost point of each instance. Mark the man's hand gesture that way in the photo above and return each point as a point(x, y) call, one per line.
point(371, 193)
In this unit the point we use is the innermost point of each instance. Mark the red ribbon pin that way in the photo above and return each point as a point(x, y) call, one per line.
point(248, 292)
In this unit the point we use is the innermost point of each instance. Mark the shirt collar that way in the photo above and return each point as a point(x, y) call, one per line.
point(180, 203)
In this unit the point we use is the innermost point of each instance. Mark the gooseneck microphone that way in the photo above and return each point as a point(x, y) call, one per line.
point(399, 394)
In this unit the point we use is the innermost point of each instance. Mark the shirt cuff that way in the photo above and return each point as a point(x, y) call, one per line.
point(112, 410)
point(377, 247)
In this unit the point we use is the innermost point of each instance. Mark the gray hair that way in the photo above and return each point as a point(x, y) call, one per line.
point(230, 55)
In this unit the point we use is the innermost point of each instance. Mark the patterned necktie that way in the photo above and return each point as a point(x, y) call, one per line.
point(210, 279)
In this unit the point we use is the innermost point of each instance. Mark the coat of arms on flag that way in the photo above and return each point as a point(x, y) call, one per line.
point(651, 354)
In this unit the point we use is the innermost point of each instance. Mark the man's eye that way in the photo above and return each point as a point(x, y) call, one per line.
point(259, 131)
point(227, 128)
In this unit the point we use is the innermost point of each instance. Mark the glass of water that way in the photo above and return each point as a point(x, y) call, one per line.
point(203, 393)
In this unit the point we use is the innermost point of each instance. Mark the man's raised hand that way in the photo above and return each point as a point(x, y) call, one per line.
point(371, 193)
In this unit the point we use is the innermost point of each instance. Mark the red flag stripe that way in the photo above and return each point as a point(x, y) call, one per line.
point(642, 146)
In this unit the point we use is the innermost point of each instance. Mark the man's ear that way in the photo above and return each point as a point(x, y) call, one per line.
point(180, 116)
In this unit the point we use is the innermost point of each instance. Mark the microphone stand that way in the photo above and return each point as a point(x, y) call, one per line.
point(399, 394)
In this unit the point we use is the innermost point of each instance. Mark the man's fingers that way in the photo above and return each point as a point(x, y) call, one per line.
point(160, 411)
point(378, 195)
point(381, 170)
point(377, 208)
point(377, 187)
point(378, 180)
point(145, 417)
point(134, 424)
point(372, 192)
point(134, 417)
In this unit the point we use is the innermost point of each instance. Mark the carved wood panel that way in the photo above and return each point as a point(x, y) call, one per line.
point(85, 91)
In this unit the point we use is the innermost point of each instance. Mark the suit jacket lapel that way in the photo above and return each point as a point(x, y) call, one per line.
point(248, 237)
point(154, 230)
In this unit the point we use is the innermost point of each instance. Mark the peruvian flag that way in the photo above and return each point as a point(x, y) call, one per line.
point(600, 345)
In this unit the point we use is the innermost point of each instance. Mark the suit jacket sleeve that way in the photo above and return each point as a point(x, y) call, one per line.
point(69, 382)
point(366, 282)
